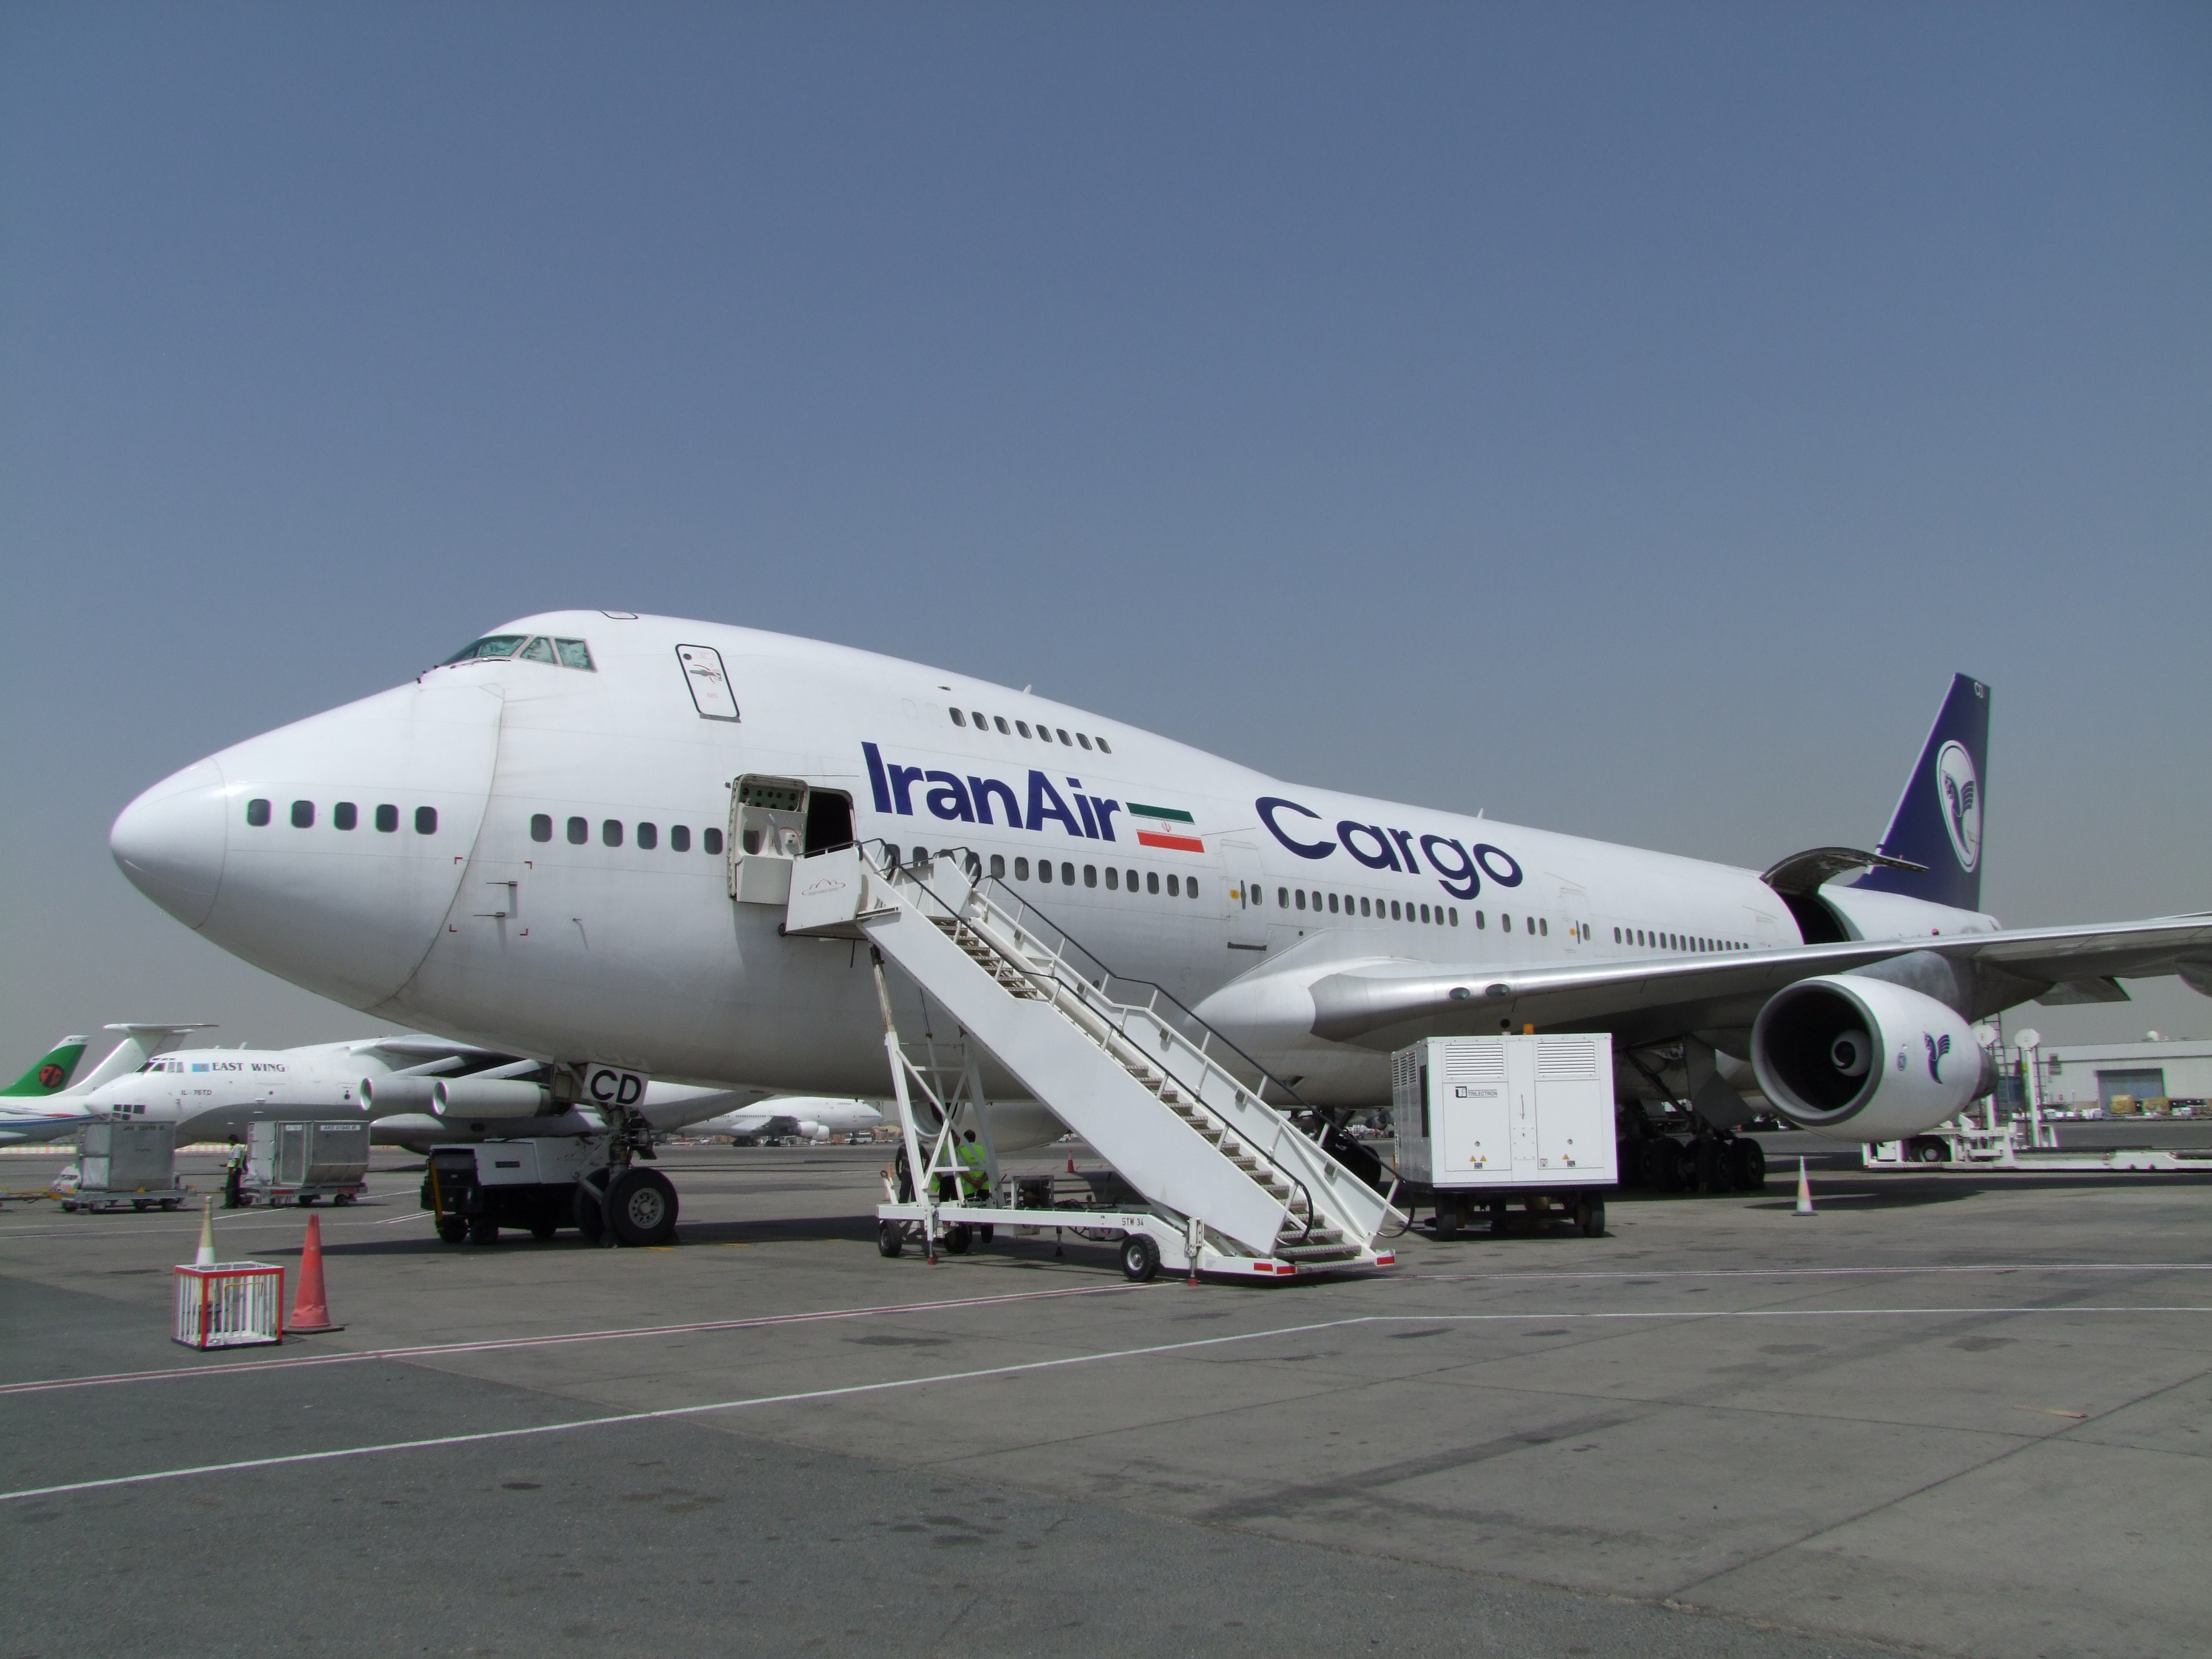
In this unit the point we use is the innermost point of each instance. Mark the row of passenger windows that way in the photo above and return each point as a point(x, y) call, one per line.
point(344, 816)
point(985, 722)
point(1178, 886)
point(1652, 938)
point(612, 834)
point(1346, 904)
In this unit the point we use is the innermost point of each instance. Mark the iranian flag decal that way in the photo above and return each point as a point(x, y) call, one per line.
point(1169, 829)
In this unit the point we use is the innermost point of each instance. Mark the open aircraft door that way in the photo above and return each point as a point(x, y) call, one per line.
point(1248, 898)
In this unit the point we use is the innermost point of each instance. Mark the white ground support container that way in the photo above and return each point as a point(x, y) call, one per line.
point(301, 1163)
point(1523, 1118)
point(133, 1163)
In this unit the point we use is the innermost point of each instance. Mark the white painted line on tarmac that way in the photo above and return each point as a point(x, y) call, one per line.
point(847, 1392)
point(1831, 1273)
point(248, 1367)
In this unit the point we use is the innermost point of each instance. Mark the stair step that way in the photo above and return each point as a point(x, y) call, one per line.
point(1312, 1253)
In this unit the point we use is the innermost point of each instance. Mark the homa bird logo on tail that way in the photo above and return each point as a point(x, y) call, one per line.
point(1962, 803)
point(1937, 1047)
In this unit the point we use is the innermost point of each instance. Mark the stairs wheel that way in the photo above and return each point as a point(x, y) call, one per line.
point(958, 1237)
point(1140, 1258)
point(891, 1238)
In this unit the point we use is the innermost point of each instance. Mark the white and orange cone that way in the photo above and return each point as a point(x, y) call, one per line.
point(1804, 1190)
point(205, 1256)
point(311, 1311)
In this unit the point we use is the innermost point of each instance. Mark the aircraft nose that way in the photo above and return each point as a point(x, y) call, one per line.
point(169, 842)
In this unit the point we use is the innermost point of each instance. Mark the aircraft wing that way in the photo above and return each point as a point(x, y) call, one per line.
point(413, 1048)
point(1387, 1005)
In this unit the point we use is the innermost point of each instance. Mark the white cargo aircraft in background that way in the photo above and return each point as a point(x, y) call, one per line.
point(60, 1113)
point(809, 1117)
point(414, 1090)
point(546, 846)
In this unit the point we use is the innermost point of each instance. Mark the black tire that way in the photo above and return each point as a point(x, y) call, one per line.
point(1590, 1216)
point(483, 1229)
point(1628, 1158)
point(452, 1229)
point(1930, 1150)
point(642, 1208)
point(1140, 1258)
point(1750, 1167)
point(342, 1198)
point(543, 1229)
point(891, 1238)
point(1447, 1222)
point(309, 1199)
point(1713, 1164)
point(589, 1207)
point(958, 1237)
point(1664, 1160)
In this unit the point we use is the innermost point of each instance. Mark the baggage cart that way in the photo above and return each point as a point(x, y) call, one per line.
point(305, 1163)
point(122, 1164)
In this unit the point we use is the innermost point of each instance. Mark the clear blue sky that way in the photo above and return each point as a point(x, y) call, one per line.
point(1622, 418)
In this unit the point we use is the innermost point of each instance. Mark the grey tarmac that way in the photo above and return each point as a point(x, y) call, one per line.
point(1951, 1414)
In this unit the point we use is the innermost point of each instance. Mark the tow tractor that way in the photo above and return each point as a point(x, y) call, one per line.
point(540, 1184)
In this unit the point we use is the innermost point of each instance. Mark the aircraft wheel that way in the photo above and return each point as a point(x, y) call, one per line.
point(452, 1229)
point(891, 1238)
point(958, 1237)
point(1140, 1258)
point(641, 1207)
point(1665, 1162)
point(1750, 1167)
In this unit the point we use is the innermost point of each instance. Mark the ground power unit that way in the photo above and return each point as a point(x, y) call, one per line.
point(1506, 1122)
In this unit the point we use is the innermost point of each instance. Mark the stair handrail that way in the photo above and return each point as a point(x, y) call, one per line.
point(1021, 915)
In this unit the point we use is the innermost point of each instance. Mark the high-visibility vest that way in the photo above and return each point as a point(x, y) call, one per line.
point(973, 1167)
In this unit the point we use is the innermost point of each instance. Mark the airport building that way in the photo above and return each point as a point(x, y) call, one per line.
point(2080, 1076)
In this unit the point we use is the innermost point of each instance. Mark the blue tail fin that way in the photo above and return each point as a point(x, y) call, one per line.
point(1938, 821)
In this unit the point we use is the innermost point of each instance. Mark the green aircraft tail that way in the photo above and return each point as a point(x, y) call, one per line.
point(51, 1075)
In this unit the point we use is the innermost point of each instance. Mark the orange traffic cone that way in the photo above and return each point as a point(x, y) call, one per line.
point(1804, 1190)
point(311, 1313)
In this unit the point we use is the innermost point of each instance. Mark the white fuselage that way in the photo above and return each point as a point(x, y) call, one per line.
point(528, 859)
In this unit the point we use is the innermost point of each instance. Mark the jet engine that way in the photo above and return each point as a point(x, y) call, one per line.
point(1863, 1060)
point(487, 1097)
point(391, 1095)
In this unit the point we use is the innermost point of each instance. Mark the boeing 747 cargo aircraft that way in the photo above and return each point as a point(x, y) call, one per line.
point(574, 841)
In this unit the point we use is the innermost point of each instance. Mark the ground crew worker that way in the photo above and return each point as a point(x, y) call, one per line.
point(234, 1176)
point(975, 1176)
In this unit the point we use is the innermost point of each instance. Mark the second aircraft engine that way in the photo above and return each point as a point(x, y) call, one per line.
point(487, 1097)
point(1863, 1060)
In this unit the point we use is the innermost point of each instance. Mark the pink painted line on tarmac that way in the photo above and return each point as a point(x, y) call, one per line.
point(433, 1349)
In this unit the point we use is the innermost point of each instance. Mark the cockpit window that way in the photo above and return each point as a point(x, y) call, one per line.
point(492, 645)
point(574, 654)
point(538, 650)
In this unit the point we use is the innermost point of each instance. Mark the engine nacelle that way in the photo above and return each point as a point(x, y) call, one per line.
point(813, 1131)
point(388, 1095)
point(488, 1097)
point(1863, 1060)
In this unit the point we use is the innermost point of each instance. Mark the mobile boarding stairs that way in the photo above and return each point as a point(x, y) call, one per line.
point(1224, 1182)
